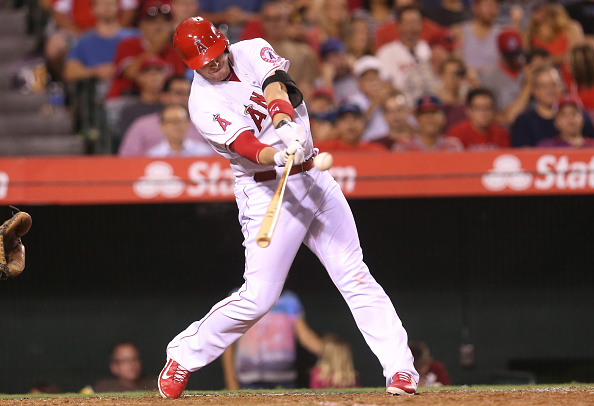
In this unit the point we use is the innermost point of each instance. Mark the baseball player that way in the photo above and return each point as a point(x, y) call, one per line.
point(249, 110)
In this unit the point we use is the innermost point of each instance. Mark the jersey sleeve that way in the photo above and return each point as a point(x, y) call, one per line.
point(264, 59)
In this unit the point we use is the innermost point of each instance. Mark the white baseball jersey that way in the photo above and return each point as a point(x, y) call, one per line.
point(223, 110)
point(314, 212)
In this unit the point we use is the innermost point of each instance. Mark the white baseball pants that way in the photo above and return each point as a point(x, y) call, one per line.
point(316, 213)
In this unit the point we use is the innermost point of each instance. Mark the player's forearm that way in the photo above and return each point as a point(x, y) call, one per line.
point(277, 91)
point(266, 156)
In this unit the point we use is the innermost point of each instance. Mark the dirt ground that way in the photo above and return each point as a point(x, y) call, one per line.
point(570, 396)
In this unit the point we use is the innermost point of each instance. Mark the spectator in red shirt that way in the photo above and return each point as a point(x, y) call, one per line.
point(155, 40)
point(350, 124)
point(479, 131)
point(431, 372)
point(431, 119)
point(389, 32)
point(569, 121)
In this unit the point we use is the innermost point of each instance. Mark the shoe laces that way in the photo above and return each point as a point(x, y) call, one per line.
point(180, 374)
point(403, 376)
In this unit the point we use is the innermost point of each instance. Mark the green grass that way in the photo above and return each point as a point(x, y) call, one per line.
point(465, 388)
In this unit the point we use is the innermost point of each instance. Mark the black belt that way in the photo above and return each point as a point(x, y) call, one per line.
point(270, 175)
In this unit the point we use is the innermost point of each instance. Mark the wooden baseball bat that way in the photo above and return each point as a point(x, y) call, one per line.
point(273, 211)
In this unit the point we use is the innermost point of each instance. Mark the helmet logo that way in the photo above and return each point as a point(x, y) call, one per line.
point(200, 46)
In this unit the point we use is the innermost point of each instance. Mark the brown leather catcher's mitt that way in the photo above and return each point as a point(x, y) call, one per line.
point(12, 250)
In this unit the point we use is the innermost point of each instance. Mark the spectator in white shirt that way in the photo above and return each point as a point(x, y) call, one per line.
point(409, 52)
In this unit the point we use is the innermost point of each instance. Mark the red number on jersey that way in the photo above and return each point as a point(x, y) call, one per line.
point(222, 122)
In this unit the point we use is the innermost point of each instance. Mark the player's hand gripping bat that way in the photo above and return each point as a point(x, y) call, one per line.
point(273, 211)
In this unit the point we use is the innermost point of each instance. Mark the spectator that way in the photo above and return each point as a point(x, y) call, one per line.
point(175, 121)
point(535, 58)
point(322, 113)
point(332, 21)
point(45, 387)
point(449, 12)
point(409, 52)
point(537, 121)
point(230, 15)
point(71, 19)
point(431, 120)
point(505, 79)
point(390, 31)
point(349, 127)
point(264, 357)
point(182, 9)
point(375, 13)
point(515, 14)
point(373, 90)
point(455, 82)
point(397, 114)
point(569, 121)
point(155, 40)
point(479, 131)
point(443, 44)
point(432, 373)
point(581, 62)
point(275, 17)
point(551, 29)
point(126, 367)
point(581, 11)
point(337, 70)
point(335, 368)
point(359, 39)
point(145, 132)
point(478, 37)
point(93, 54)
point(151, 78)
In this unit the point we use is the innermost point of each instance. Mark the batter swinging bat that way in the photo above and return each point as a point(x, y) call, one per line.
point(271, 216)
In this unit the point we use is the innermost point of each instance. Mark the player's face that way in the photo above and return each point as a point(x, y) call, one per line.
point(218, 69)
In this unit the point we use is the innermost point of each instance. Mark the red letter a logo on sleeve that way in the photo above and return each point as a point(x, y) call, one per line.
point(222, 122)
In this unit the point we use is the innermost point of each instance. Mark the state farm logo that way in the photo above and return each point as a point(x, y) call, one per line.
point(552, 172)
point(203, 178)
point(158, 179)
point(3, 184)
point(507, 172)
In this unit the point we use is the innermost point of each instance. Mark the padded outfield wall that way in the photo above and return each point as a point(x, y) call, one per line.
point(510, 275)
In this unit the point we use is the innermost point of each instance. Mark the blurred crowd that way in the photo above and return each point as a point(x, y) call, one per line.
point(399, 75)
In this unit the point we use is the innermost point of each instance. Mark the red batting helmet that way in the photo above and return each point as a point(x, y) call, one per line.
point(198, 42)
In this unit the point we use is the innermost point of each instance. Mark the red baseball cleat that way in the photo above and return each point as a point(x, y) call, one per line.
point(402, 384)
point(173, 379)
